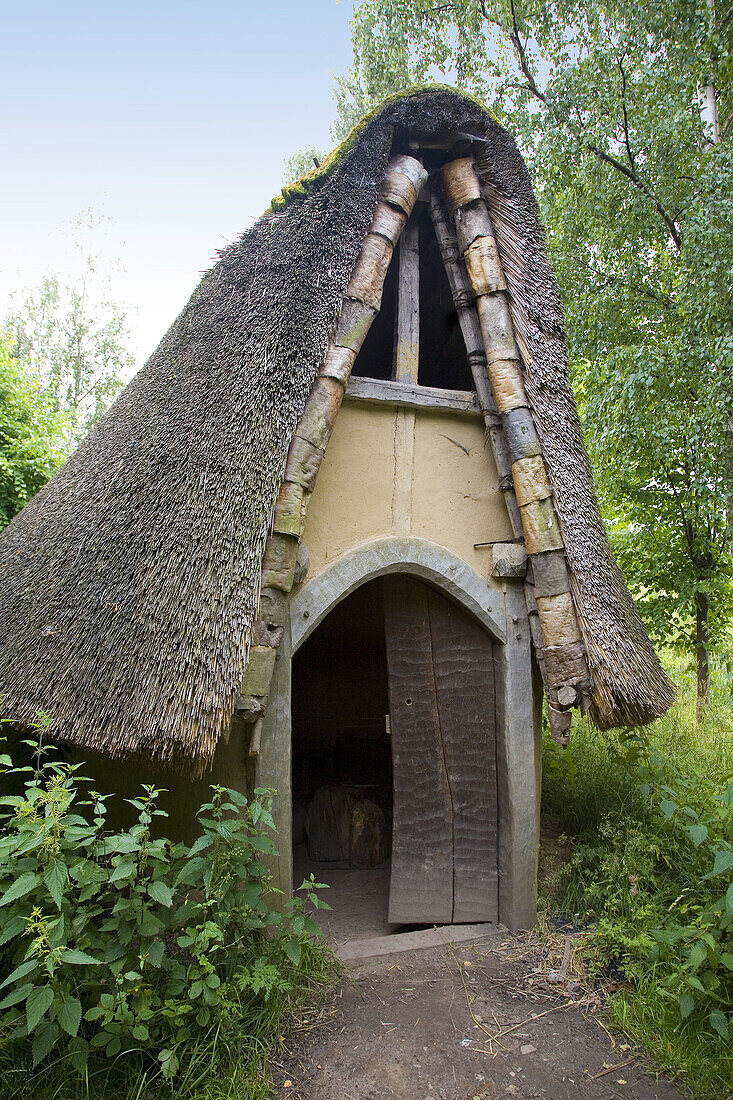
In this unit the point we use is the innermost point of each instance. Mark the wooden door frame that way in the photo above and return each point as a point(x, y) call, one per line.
point(503, 613)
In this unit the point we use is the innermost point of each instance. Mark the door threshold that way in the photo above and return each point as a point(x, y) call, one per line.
point(354, 950)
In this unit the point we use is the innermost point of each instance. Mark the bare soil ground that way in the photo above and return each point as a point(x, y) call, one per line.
point(507, 1018)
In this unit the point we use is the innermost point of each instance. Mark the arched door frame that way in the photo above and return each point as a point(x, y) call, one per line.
point(518, 720)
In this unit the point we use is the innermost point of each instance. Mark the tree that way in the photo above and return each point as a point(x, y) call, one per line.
point(74, 337)
point(76, 349)
point(299, 163)
point(31, 434)
point(624, 113)
point(63, 359)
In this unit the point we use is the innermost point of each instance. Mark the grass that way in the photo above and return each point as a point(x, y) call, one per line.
point(624, 862)
point(228, 1063)
point(692, 1055)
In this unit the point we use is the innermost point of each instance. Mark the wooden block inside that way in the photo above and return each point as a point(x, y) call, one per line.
point(550, 573)
point(278, 564)
point(530, 479)
point(388, 222)
point(288, 509)
point(558, 619)
point(337, 364)
point(521, 434)
point(367, 281)
point(250, 707)
point(260, 667)
point(484, 266)
point(509, 560)
point(507, 384)
point(321, 410)
point(541, 530)
point(353, 324)
point(566, 664)
point(303, 463)
point(460, 182)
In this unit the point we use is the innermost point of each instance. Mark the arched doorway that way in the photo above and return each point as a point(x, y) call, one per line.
point(500, 616)
point(394, 726)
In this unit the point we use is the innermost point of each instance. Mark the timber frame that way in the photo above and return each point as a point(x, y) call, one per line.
point(468, 247)
point(146, 588)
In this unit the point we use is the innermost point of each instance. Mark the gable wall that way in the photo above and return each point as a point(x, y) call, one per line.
point(393, 471)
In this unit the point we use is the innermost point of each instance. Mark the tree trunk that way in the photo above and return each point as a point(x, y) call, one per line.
point(701, 646)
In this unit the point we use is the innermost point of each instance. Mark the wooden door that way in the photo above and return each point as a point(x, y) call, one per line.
point(442, 709)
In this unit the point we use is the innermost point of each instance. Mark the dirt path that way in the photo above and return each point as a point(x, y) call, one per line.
point(418, 1026)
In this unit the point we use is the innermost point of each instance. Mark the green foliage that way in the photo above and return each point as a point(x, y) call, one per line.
point(300, 163)
point(651, 818)
point(63, 358)
point(77, 347)
point(124, 944)
point(31, 434)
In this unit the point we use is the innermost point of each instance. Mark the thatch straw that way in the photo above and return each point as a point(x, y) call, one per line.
point(128, 585)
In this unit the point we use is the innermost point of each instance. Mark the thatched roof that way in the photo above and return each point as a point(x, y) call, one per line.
point(129, 583)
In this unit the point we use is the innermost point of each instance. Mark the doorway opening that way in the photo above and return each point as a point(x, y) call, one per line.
point(342, 764)
point(394, 779)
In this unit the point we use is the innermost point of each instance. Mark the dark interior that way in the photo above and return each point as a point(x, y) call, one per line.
point(340, 703)
point(376, 358)
point(443, 362)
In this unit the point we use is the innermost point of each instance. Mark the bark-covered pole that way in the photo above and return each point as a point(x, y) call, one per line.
point(464, 301)
point(403, 181)
point(566, 673)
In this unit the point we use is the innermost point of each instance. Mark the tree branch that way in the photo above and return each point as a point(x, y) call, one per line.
point(607, 158)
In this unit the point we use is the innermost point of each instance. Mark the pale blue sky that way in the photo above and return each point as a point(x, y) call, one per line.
point(173, 119)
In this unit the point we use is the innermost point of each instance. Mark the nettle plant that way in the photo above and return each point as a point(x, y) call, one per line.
point(121, 941)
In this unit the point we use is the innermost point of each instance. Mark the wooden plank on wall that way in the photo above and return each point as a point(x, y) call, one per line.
point(421, 884)
point(463, 661)
point(410, 396)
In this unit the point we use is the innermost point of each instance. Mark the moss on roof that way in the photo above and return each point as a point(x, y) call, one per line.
point(311, 181)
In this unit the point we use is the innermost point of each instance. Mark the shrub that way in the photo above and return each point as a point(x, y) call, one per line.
point(119, 942)
point(651, 817)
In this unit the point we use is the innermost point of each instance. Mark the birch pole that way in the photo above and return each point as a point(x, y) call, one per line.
point(402, 183)
point(564, 662)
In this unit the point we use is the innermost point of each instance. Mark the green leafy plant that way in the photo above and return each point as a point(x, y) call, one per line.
point(651, 872)
point(124, 942)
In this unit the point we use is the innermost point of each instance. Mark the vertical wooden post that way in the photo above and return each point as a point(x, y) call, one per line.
point(468, 320)
point(407, 321)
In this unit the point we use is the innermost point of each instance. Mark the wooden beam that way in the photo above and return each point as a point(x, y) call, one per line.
point(463, 299)
point(406, 395)
point(407, 321)
point(567, 682)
